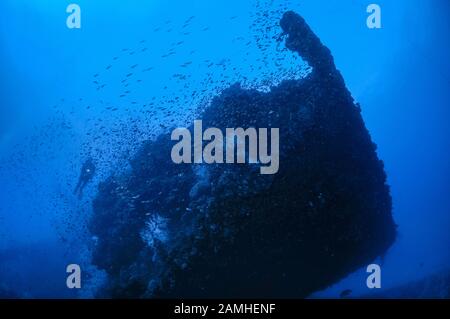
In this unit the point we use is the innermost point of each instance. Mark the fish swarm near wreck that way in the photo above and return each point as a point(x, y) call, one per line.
point(168, 230)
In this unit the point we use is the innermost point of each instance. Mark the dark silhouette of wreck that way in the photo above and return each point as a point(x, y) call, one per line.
point(229, 231)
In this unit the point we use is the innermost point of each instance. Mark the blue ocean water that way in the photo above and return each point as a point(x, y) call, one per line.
point(61, 91)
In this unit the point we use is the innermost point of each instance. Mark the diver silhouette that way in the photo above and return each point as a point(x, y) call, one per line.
point(87, 172)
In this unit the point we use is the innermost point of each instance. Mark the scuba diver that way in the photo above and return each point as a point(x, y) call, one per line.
point(87, 172)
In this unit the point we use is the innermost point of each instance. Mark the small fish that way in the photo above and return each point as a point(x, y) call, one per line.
point(345, 293)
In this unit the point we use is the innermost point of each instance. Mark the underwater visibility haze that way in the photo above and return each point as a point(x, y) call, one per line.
point(347, 176)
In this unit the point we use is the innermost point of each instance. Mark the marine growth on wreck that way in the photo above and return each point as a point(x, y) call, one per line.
point(164, 229)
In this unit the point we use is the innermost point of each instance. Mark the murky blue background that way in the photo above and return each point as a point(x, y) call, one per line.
point(50, 110)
